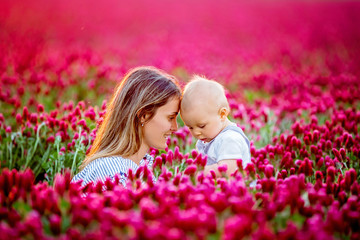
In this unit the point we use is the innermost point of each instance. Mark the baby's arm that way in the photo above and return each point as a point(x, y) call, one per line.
point(230, 147)
point(231, 167)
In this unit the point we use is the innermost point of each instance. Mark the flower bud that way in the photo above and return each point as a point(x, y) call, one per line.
point(343, 153)
point(157, 162)
point(223, 168)
point(269, 170)
point(170, 157)
point(330, 172)
point(40, 108)
point(139, 171)
point(33, 118)
point(239, 164)
point(55, 224)
point(50, 139)
point(313, 149)
point(337, 154)
point(82, 122)
point(250, 168)
point(213, 174)
point(316, 136)
point(18, 119)
point(318, 175)
point(25, 113)
point(194, 153)
point(190, 170)
point(8, 129)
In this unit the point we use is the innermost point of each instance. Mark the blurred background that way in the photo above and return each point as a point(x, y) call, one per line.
point(221, 39)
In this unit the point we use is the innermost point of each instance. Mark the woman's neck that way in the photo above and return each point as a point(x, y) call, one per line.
point(136, 158)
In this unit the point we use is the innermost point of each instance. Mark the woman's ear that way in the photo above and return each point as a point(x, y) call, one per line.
point(143, 119)
point(224, 112)
point(141, 116)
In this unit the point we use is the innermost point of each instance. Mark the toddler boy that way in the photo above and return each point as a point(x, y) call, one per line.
point(205, 109)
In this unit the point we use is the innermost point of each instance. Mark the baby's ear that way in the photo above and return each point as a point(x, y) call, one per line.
point(224, 112)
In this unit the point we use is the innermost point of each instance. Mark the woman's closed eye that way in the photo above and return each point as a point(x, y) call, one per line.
point(172, 117)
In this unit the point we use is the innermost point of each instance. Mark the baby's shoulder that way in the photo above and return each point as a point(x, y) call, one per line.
point(231, 138)
point(231, 133)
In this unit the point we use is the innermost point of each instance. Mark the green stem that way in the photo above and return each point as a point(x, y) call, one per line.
point(10, 154)
point(74, 160)
point(36, 143)
point(76, 152)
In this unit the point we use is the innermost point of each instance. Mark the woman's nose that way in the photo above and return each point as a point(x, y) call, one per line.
point(174, 126)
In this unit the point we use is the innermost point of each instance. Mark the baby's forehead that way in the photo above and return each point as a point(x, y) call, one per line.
point(203, 86)
point(199, 106)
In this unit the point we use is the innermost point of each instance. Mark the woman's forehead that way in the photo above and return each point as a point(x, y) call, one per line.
point(172, 106)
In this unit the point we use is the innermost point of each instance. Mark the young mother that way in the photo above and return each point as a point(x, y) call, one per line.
point(141, 114)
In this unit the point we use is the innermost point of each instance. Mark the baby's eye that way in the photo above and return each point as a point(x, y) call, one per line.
point(202, 126)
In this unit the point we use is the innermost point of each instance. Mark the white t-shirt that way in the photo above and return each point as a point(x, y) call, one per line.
point(230, 143)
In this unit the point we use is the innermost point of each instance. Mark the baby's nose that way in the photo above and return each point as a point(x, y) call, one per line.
point(197, 133)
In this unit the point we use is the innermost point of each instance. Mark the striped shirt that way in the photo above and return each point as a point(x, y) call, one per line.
point(108, 167)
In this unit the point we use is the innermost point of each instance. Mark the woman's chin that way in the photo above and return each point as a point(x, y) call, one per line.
point(161, 146)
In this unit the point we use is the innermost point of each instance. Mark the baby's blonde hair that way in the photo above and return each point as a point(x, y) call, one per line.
point(142, 91)
point(203, 89)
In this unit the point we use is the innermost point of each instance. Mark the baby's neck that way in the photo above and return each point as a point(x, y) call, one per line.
point(227, 122)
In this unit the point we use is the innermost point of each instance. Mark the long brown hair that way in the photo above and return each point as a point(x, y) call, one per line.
point(142, 91)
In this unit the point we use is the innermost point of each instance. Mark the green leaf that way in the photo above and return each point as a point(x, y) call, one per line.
point(22, 208)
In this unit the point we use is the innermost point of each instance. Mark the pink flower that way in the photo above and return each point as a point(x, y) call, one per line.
point(306, 167)
point(213, 174)
point(33, 118)
point(269, 170)
point(343, 153)
point(40, 108)
point(316, 136)
point(18, 118)
point(55, 224)
point(250, 168)
point(330, 173)
point(59, 184)
point(222, 168)
point(25, 114)
point(337, 154)
point(190, 170)
point(139, 171)
point(82, 122)
point(170, 157)
point(237, 227)
point(194, 153)
point(158, 162)
point(239, 164)
point(8, 129)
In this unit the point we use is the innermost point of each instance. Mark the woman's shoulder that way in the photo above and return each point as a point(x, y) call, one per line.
point(103, 167)
point(148, 160)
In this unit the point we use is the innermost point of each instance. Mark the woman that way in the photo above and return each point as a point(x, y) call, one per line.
point(141, 114)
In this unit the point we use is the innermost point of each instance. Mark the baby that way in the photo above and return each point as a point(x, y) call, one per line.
point(205, 109)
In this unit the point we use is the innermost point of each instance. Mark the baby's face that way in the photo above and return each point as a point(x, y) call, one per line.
point(204, 122)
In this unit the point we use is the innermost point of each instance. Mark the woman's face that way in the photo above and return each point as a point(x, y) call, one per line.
point(162, 125)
